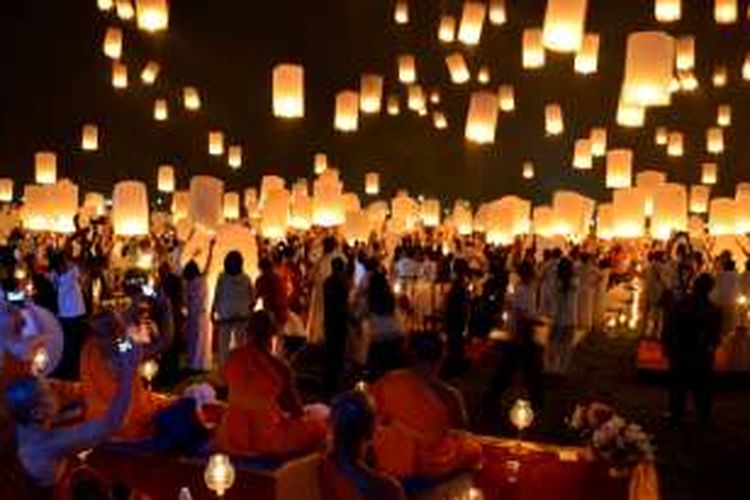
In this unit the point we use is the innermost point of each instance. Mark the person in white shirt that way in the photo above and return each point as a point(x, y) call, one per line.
point(71, 311)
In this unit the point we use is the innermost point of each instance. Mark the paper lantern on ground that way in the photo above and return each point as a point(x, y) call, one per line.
point(191, 99)
point(393, 106)
point(582, 155)
point(6, 190)
point(553, 119)
point(472, 22)
point(328, 203)
point(507, 99)
point(119, 75)
point(150, 73)
point(320, 163)
point(675, 146)
point(407, 68)
point(161, 110)
point(699, 197)
point(722, 217)
point(113, 43)
point(274, 219)
point(598, 138)
point(90, 137)
point(447, 29)
point(439, 120)
point(619, 168)
point(670, 211)
point(165, 181)
point(206, 197)
point(605, 221)
point(45, 167)
point(497, 13)
point(685, 47)
point(94, 204)
point(667, 11)
point(234, 156)
point(459, 71)
point(725, 11)
point(483, 75)
point(649, 66)
point(661, 136)
point(715, 140)
point(370, 93)
point(587, 58)
point(346, 118)
point(527, 170)
point(215, 143)
point(429, 212)
point(724, 115)
point(105, 5)
point(629, 218)
point(719, 77)
point(649, 181)
point(231, 206)
point(630, 115)
point(372, 183)
point(130, 215)
point(125, 10)
point(152, 15)
point(481, 121)
point(415, 98)
point(532, 49)
point(564, 22)
point(288, 91)
point(709, 173)
point(401, 12)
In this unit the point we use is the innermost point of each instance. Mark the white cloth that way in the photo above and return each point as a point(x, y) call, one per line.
point(70, 303)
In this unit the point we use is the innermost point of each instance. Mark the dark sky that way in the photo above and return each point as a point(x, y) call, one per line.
point(55, 78)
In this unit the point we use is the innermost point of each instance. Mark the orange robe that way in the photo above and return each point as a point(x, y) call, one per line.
point(414, 436)
point(100, 386)
point(254, 423)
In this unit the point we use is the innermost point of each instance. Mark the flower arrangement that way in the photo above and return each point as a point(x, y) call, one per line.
point(611, 438)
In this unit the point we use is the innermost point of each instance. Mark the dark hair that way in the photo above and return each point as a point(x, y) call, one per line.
point(260, 327)
point(565, 274)
point(426, 347)
point(337, 265)
point(329, 244)
point(265, 264)
point(703, 285)
point(380, 298)
point(352, 420)
point(191, 271)
point(233, 263)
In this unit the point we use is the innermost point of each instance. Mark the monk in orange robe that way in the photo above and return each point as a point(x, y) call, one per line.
point(100, 381)
point(419, 418)
point(264, 414)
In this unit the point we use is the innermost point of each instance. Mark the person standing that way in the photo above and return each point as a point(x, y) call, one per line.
point(560, 348)
point(198, 319)
point(335, 322)
point(457, 309)
point(71, 311)
point(233, 303)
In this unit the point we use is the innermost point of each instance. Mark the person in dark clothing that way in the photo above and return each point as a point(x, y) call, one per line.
point(170, 288)
point(491, 301)
point(335, 322)
point(691, 345)
point(457, 307)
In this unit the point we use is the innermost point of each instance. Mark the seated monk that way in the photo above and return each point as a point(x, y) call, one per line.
point(418, 417)
point(264, 414)
point(343, 473)
point(100, 383)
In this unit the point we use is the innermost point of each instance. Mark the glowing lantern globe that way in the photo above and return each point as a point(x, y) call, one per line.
point(130, 216)
point(289, 91)
point(564, 23)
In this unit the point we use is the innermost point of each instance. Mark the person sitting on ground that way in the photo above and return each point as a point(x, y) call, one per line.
point(419, 418)
point(344, 475)
point(265, 415)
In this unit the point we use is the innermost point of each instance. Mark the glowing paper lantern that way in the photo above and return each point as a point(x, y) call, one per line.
point(447, 29)
point(649, 181)
point(564, 22)
point(346, 118)
point(687, 81)
point(742, 190)
point(191, 99)
point(320, 163)
point(667, 11)
point(105, 5)
point(483, 75)
point(746, 68)
point(462, 217)
point(719, 78)
point(685, 47)
point(725, 11)
point(206, 197)
point(370, 93)
point(289, 91)
point(180, 206)
point(150, 73)
point(165, 179)
point(125, 10)
point(532, 49)
point(605, 221)
point(328, 204)
point(152, 15)
point(675, 144)
point(553, 119)
point(472, 22)
point(498, 14)
point(629, 217)
point(274, 219)
point(715, 140)
point(598, 137)
point(234, 156)
point(401, 12)
point(670, 211)
point(393, 106)
point(722, 217)
point(94, 204)
point(661, 136)
point(407, 68)
point(543, 221)
point(90, 137)
point(699, 197)
point(113, 43)
point(481, 120)
point(630, 115)
point(429, 212)
point(45, 167)
point(649, 68)
point(300, 216)
point(231, 206)
point(587, 58)
point(507, 98)
point(582, 155)
point(268, 184)
point(457, 68)
point(372, 183)
point(356, 227)
point(724, 115)
point(161, 110)
point(709, 173)
point(435, 96)
point(619, 168)
point(119, 75)
point(215, 143)
point(572, 214)
point(252, 207)
point(6, 190)
point(439, 120)
point(415, 98)
point(504, 219)
point(130, 215)
point(527, 170)
point(742, 209)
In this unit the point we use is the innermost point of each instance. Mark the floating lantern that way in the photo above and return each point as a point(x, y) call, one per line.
point(288, 91)
point(699, 197)
point(231, 206)
point(497, 13)
point(346, 118)
point(582, 155)
point(429, 212)
point(45, 167)
point(113, 43)
point(351, 202)
point(709, 173)
point(180, 206)
point(269, 183)
point(543, 221)
point(150, 73)
point(725, 11)
point(447, 29)
point(130, 215)
point(649, 181)
point(742, 190)
point(687, 81)
point(457, 68)
point(527, 170)
point(191, 99)
point(598, 137)
point(675, 145)
point(415, 98)
point(648, 69)
point(472, 22)
point(532, 49)
point(720, 76)
point(481, 120)
point(356, 227)
point(125, 10)
point(206, 197)
point(152, 15)
point(300, 216)
point(119, 75)
point(724, 115)
point(372, 183)
point(165, 179)
point(715, 140)
point(90, 137)
point(722, 217)
point(483, 75)
point(252, 207)
point(507, 98)
point(215, 143)
point(685, 47)
point(572, 214)
point(630, 115)
point(370, 93)
point(105, 5)
point(328, 204)
point(742, 208)
point(407, 68)
point(746, 68)
point(670, 211)
point(628, 208)
point(587, 58)
point(320, 163)
point(6, 190)
point(439, 120)
point(462, 217)
point(161, 110)
point(505, 219)
point(234, 156)
point(661, 136)
point(393, 106)
point(564, 22)
point(94, 203)
point(619, 168)
point(668, 11)
point(401, 12)
point(435, 96)
point(553, 119)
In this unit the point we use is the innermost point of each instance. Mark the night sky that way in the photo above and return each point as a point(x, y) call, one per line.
point(55, 78)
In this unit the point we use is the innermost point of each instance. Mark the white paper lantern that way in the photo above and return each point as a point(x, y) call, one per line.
point(605, 221)
point(722, 217)
point(724, 115)
point(231, 206)
point(250, 200)
point(288, 91)
point(582, 155)
point(507, 98)
point(90, 137)
point(206, 197)
point(356, 227)
point(725, 11)
point(301, 210)
point(497, 13)
point(161, 110)
point(661, 136)
point(328, 203)
point(459, 71)
point(629, 217)
point(630, 115)
point(649, 67)
point(481, 120)
point(113, 43)
point(346, 117)
point(150, 72)
point(370, 93)
point(6, 190)
point(483, 75)
point(619, 168)
point(715, 140)
point(119, 75)
point(439, 120)
point(572, 215)
point(527, 170)
point(165, 179)
point(667, 11)
point(598, 137)
point(234, 156)
point(130, 215)
point(720, 78)
point(94, 204)
point(553, 119)
point(564, 23)
point(472, 22)
point(372, 183)
point(649, 181)
point(407, 68)
point(180, 206)
point(429, 212)
point(393, 106)
point(125, 10)
point(415, 98)
point(320, 163)
point(532, 49)
point(709, 173)
point(191, 99)
point(105, 5)
point(216, 143)
point(699, 197)
point(152, 15)
point(45, 167)
point(675, 146)
point(447, 29)
point(742, 208)
point(274, 220)
point(685, 47)
point(401, 12)
point(670, 211)
point(587, 58)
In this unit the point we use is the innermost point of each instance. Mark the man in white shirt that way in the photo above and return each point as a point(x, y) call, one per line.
point(71, 311)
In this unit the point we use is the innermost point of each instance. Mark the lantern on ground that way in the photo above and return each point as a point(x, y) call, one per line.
point(497, 13)
point(667, 11)
point(45, 167)
point(216, 143)
point(219, 475)
point(231, 206)
point(532, 49)
point(119, 75)
point(407, 68)
point(447, 29)
point(553, 119)
point(675, 145)
point(90, 137)
point(6, 190)
point(715, 140)
point(472, 22)
point(370, 93)
point(150, 73)
point(401, 12)
point(320, 163)
point(165, 181)
point(372, 183)
point(481, 120)
point(564, 22)
point(582, 155)
point(527, 170)
point(685, 47)
point(709, 173)
point(346, 118)
point(161, 110)
point(724, 115)
point(289, 91)
point(699, 197)
point(725, 11)
point(507, 98)
point(206, 198)
point(234, 156)
point(457, 68)
point(619, 168)
point(649, 67)
point(113, 43)
point(722, 217)
point(130, 215)
point(587, 58)
point(598, 137)
point(152, 15)
point(191, 99)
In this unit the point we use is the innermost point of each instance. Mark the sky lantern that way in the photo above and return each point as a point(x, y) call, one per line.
point(649, 181)
point(45, 167)
point(269, 183)
point(407, 68)
point(725, 11)
point(507, 99)
point(667, 11)
point(250, 200)
point(370, 93)
point(722, 217)
point(582, 155)
point(328, 202)
point(150, 72)
point(504, 219)
point(6, 190)
point(447, 29)
point(498, 15)
point(629, 217)
point(527, 170)
point(472, 22)
point(715, 140)
point(619, 168)
point(457, 68)
point(215, 143)
point(94, 203)
point(564, 23)
point(532, 52)
point(572, 214)
point(372, 183)
point(90, 137)
point(598, 137)
point(404, 213)
point(36, 207)
point(719, 77)
point(661, 136)
point(401, 12)
point(161, 110)
point(742, 190)
point(113, 43)
point(351, 202)
point(724, 115)
point(429, 212)
point(300, 214)
point(685, 47)
point(687, 81)
point(415, 98)
point(699, 197)
point(709, 173)
point(746, 68)
point(587, 58)
point(206, 202)
point(605, 221)
point(553, 119)
point(105, 5)
point(356, 227)
point(481, 121)
point(320, 163)
point(130, 215)
point(231, 206)
point(742, 208)
point(288, 91)
point(670, 211)
point(630, 115)
point(649, 66)
point(435, 96)
point(234, 156)
point(274, 219)
point(152, 15)
point(346, 118)
point(125, 10)
point(119, 75)
point(483, 75)
point(165, 179)
point(543, 221)
point(462, 217)
point(675, 144)
point(191, 99)
point(393, 106)
point(439, 120)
